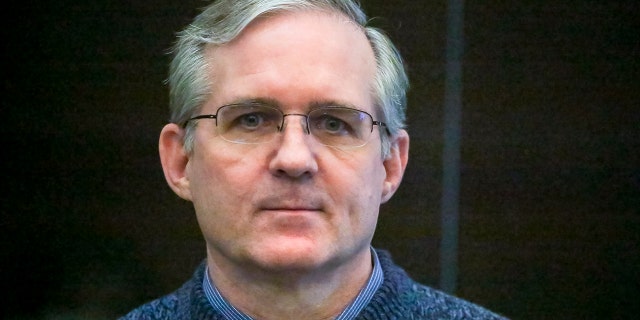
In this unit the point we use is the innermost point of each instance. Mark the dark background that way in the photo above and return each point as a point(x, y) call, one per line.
point(550, 181)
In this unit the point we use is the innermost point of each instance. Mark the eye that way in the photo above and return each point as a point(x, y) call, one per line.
point(332, 125)
point(251, 120)
point(248, 123)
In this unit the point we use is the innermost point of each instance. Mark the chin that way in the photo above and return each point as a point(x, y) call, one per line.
point(291, 256)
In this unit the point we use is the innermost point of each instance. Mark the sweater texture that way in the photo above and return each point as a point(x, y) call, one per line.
point(399, 297)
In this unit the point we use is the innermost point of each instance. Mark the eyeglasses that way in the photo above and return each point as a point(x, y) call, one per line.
point(253, 123)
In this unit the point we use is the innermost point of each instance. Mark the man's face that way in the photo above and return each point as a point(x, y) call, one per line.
point(291, 203)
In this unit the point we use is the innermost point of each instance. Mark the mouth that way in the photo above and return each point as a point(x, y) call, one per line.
point(292, 214)
point(291, 209)
point(295, 221)
point(291, 204)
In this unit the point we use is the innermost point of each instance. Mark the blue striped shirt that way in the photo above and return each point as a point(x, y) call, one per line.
point(220, 304)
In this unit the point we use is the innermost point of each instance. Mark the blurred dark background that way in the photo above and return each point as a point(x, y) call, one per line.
point(550, 180)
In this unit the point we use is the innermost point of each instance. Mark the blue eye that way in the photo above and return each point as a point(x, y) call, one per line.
point(248, 123)
point(331, 125)
point(251, 120)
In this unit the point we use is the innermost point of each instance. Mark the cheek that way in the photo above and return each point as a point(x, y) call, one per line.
point(217, 178)
point(358, 184)
point(362, 196)
point(221, 188)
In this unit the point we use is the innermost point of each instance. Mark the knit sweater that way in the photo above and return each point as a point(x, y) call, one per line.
point(399, 297)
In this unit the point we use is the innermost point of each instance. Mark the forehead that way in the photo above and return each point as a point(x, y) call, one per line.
point(293, 56)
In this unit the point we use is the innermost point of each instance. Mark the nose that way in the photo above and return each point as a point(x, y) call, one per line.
point(295, 154)
point(303, 121)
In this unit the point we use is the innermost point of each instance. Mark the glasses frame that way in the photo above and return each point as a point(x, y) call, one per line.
point(284, 115)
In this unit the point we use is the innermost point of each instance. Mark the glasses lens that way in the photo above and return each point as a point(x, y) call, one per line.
point(340, 127)
point(251, 123)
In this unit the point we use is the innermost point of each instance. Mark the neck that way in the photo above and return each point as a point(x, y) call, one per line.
point(291, 294)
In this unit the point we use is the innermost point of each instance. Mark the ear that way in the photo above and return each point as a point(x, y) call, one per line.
point(395, 164)
point(174, 160)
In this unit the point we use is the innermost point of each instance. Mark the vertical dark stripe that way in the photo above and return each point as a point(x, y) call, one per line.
point(451, 152)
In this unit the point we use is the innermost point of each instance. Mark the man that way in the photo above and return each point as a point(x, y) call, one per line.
point(287, 136)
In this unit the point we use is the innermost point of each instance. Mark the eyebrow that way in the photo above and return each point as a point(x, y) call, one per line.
point(272, 102)
point(265, 101)
point(331, 103)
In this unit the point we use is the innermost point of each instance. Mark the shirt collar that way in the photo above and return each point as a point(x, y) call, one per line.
point(220, 304)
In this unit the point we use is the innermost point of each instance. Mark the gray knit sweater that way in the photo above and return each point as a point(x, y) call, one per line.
point(399, 297)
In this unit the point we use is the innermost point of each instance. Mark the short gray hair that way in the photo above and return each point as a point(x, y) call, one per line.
point(223, 20)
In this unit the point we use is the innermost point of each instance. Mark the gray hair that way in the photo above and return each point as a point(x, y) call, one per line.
point(224, 20)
